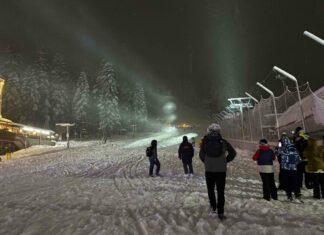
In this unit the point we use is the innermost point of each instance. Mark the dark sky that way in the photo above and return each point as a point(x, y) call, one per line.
point(191, 48)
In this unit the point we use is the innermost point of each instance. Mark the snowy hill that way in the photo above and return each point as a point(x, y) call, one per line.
point(104, 189)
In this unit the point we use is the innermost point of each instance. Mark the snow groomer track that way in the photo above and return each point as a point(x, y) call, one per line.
point(104, 189)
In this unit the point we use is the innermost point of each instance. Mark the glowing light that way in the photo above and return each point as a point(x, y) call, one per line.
point(169, 108)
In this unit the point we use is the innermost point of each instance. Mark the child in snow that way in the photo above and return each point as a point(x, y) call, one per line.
point(289, 160)
point(265, 157)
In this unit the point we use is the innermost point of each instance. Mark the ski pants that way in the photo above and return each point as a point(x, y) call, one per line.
point(154, 161)
point(217, 179)
point(269, 186)
point(301, 172)
point(318, 184)
point(186, 165)
point(290, 180)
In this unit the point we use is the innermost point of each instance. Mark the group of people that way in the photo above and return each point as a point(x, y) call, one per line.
point(215, 153)
point(299, 158)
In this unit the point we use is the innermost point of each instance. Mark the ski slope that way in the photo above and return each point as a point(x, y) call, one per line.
point(96, 188)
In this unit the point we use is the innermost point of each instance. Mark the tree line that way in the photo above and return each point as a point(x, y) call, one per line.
point(44, 92)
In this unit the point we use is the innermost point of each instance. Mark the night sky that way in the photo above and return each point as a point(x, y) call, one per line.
point(187, 48)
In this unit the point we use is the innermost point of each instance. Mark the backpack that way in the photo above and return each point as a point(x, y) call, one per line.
point(148, 152)
point(214, 147)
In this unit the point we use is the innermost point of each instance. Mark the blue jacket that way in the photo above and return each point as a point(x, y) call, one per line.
point(288, 154)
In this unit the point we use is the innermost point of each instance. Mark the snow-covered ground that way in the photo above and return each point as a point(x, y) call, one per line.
point(96, 188)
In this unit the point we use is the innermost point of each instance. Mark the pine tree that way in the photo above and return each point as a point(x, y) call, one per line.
point(31, 96)
point(139, 105)
point(10, 71)
point(106, 91)
point(81, 99)
point(59, 100)
point(41, 75)
point(126, 92)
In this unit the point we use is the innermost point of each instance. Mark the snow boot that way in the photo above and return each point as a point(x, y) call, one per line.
point(222, 217)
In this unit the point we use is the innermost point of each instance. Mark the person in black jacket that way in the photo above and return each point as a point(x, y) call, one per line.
point(215, 153)
point(186, 153)
point(153, 158)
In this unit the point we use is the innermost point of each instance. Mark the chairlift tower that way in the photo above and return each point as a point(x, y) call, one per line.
point(237, 104)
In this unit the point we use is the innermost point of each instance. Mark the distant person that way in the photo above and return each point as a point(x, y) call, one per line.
point(186, 153)
point(193, 141)
point(151, 153)
point(216, 152)
point(315, 166)
point(301, 142)
point(289, 160)
point(265, 156)
point(200, 142)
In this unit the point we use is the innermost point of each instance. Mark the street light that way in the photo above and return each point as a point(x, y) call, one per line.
point(274, 104)
point(256, 101)
point(314, 37)
point(291, 77)
point(67, 125)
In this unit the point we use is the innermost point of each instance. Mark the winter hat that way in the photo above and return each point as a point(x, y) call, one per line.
point(298, 129)
point(214, 127)
point(263, 142)
point(284, 133)
point(185, 139)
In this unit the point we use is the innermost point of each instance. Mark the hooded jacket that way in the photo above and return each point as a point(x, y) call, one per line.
point(264, 157)
point(218, 163)
point(288, 154)
point(186, 151)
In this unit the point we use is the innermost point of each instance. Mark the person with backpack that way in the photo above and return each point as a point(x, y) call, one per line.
point(186, 153)
point(215, 153)
point(151, 153)
point(265, 156)
point(289, 160)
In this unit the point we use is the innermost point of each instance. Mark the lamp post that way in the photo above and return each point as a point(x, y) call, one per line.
point(291, 77)
point(314, 37)
point(256, 101)
point(274, 104)
point(67, 125)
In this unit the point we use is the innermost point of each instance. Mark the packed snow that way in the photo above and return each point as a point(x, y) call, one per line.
point(95, 188)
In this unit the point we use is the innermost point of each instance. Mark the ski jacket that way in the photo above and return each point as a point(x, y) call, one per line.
point(301, 143)
point(264, 157)
point(186, 151)
point(216, 163)
point(315, 157)
point(288, 154)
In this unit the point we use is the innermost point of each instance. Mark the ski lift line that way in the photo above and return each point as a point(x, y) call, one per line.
point(314, 37)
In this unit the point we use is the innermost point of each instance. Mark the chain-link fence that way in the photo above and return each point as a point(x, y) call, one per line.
point(260, 121)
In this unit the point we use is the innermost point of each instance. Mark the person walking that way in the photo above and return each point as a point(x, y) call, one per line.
point(151, 153)
point(186, 153)
point(215, 153)
point(265, 156)
point(315, 166)
point(289, 160)
point(300, 140)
